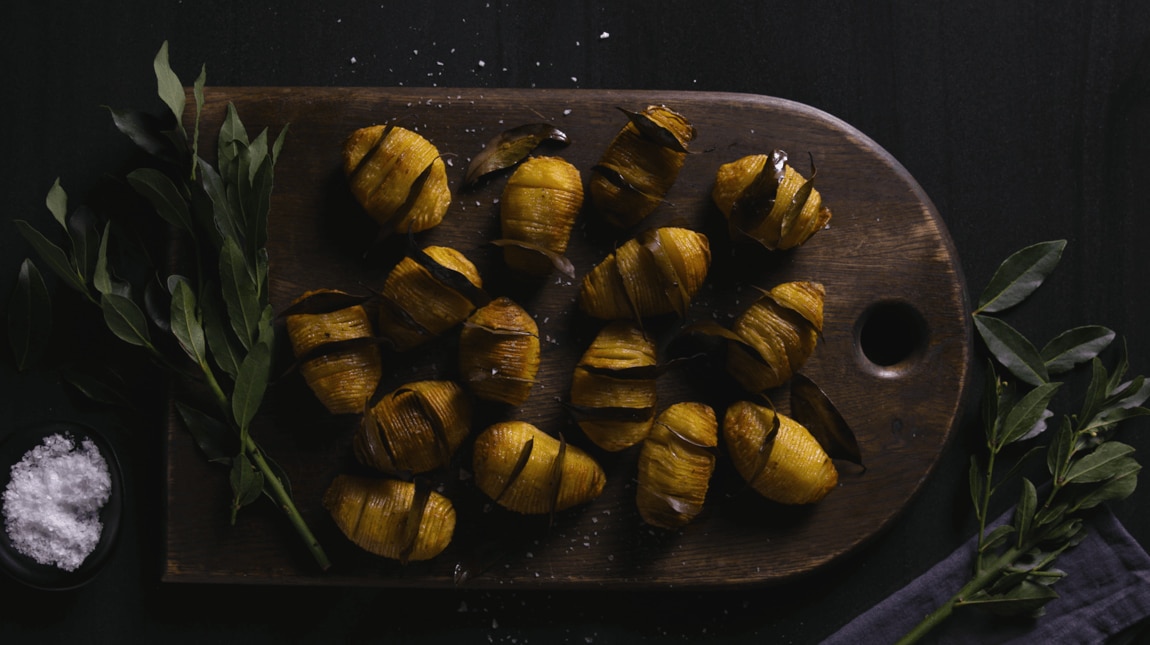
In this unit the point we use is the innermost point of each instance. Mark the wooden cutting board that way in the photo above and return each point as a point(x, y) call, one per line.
point(894, 356)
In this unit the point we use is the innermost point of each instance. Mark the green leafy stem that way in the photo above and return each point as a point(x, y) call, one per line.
point(1014, 569)
point(217, 312)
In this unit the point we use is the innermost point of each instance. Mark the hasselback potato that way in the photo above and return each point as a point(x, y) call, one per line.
point(537, 210)
point(778, 332)
point(640, 165)
point(613, 387)
point(764, 198)
point(675, 465)
point(526, 470)
point(426, 293)
point(776, 455)
point(499, 352)
point(657, 272)
point(414, 428)
point(342, 371)
point(398, 177)
point(391, 518)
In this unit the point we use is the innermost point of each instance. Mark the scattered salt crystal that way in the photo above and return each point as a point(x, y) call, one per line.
point(53, 500)
point(482, 63)
point(567, 112)
point(353, 60)
point(604, 36)
point(574, 80)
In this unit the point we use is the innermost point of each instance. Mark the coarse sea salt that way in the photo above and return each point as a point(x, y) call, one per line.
point(53, 500)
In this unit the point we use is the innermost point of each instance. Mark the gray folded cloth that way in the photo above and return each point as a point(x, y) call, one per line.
point(1106, 590)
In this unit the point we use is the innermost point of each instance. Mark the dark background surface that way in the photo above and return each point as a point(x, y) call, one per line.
point(1023, 121)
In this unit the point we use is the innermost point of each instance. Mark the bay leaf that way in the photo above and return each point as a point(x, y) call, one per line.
point(1020, 275)
point(57, 203)
point(170, 88)
point(29, 316)
point(186, 324)
point(251, 383)
point(1027, 599)
point(143, 129)
point(1026, 418)
point(1116, 488)
point(220, 345)
point(1104, 462)
point(247, 482)
point(1075, 346)
point(1012, 349)
point(1024, 511)
point(99, 383)
point(125, 319)
point(996, 537)
point(214, 438)
point(240, 294)
point(162, 193)
point(82, 230)
point(55, 257)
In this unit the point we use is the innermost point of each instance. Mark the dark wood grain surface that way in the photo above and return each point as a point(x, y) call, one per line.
point(1022, 121)
point(886, 250)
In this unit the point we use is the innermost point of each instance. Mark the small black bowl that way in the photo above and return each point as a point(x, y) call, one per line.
point(44, 576)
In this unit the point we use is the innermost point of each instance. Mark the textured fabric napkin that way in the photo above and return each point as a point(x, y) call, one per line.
point(1106, 590)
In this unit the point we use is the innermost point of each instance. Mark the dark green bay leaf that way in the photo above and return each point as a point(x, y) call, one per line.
point(231, 138)
point(1027, 418)
point(213, 437)
point(86, 241)
point(1027, 599)
point(143, 129)
point(1114, 489)
point(1020, 275)
point(1108, 459)
point(158, 304)
point(976, 479)
point(251, 383)
point(223, 218)
point(247, 482)
point(198, 95)
point(101, 273)
point(186, 324)
point(55, 257)
point(100, 383)
point(1112, 416)
point(1127, 395)
point(240, 292)
point(224, 351)
point(164, 196)
point(996, 537)
point(278, 144)
point(29, 316)
point(57, 203)
point(1059, 451)
point(1075, 346)
point(170, 88)
point(1024, 510)
point(1012, 349)
point(125, 319)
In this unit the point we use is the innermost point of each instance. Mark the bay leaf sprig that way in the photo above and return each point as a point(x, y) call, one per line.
point(1014, 572)
point(208, 321)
